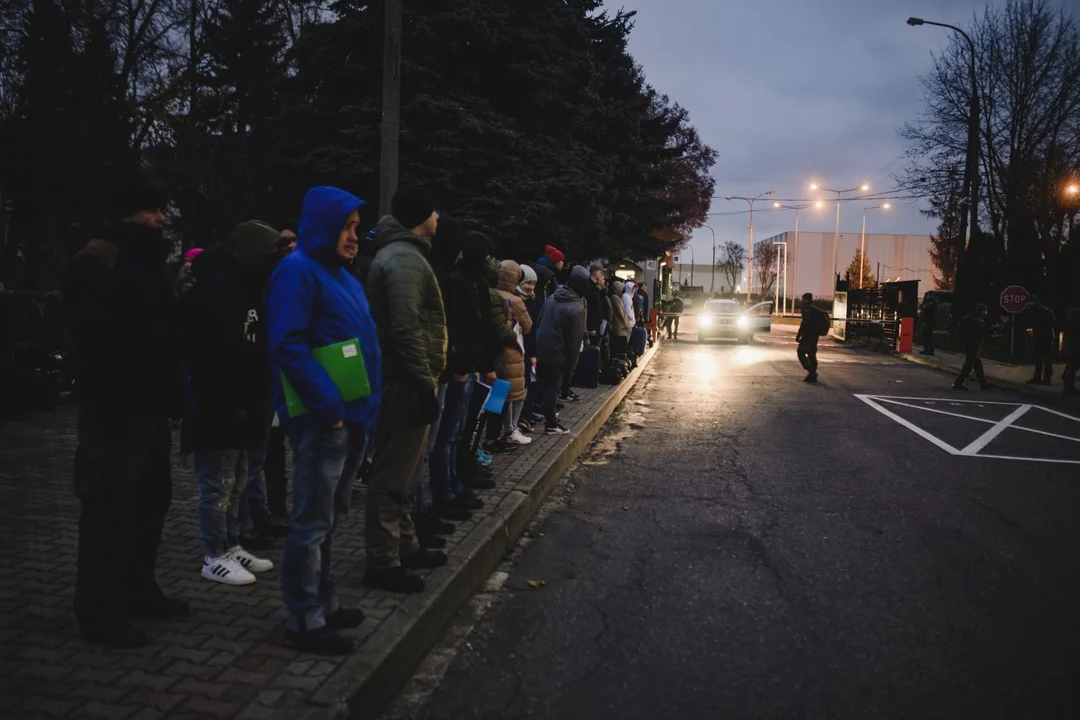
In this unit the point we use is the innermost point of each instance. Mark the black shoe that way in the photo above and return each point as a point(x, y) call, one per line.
point(432, 525)
point(449, 511)
point(500, 447)
point(466, 494)
point(812, 378)
point(959, 386)
point(395, 579)
point(112, 632)
point(160, 608)
point(466, 503)
point(483, 471)
point(478, 482)
point(571, 397)
point(560, 406)
point(254, 542)
point(525, 427)
point(431, 542)
point(345, 619)
point(324, 641)
point(424, 560)
point(556, 430)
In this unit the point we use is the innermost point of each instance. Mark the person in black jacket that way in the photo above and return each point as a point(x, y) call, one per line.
point(558, 342)
point(223, 324)
point(814, 325)
point(1040, 319)
point(542, 289)
point(120, 313)
point(970, 331)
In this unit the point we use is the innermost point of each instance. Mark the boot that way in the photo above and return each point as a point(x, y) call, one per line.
point(321, 641)
point(395, 579)
point(112, 632)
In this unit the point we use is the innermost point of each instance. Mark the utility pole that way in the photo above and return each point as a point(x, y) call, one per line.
point(750, 254)
point(391, 112)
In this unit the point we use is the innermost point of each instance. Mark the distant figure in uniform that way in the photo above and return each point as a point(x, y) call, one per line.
point(815, 324)
point(928, 317)
point(970, 331)
point(676, 310)
point(1041, 320)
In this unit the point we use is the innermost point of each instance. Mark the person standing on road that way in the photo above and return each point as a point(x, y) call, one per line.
point(119, 308)
point(408, 310)
point(225, 354)
point(1040, 319)
point(814, 325)
point(970, 331)
point(558, 343)
point(928, 318)
point(314, 302)
point(676, 309)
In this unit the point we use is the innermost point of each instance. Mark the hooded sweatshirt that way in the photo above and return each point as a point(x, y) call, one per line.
point(315, 301)
point(562, 323)
point(620, 326)
point(224, 336)
point(464, 313)
point(408, 308)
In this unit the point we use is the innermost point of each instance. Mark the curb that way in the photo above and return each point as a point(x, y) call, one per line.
point(367, 682)
point(1022, 388)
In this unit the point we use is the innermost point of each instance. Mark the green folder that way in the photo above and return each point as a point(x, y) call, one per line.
point(344, 362)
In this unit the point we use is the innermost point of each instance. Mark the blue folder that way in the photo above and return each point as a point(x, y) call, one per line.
point(496, 399)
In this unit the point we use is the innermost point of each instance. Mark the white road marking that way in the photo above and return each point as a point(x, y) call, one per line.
point(979, 419)
point(999, 427)
point(910, 426)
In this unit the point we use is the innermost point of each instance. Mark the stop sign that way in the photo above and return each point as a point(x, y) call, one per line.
point(1014, 298)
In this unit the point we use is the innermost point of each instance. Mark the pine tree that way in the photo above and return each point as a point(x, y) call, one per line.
point(860, 262)
point(948, 211)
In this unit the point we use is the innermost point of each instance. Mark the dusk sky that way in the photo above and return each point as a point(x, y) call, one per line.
point(792, 92)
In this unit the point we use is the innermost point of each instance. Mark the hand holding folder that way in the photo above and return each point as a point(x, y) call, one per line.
point(344, 363)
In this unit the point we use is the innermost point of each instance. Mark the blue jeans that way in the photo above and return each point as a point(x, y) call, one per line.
point(324, 465)
point(222, 476)
point(443, 470)
point(254, 499)
point(418, 506)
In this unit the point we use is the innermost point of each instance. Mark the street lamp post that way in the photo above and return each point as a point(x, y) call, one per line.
point(795, 270)
point(836, 237)
point(862, 243)
point(712, 282)
point(689, 247)
point(782, 305)
point(971, 165)
point(750, 254)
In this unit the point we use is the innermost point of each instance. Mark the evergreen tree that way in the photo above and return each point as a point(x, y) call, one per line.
point(948, 210)
point(859, 262)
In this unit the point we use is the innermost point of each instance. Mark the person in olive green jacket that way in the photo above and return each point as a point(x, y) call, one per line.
point(408, 310)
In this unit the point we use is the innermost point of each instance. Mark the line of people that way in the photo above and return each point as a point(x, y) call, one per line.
point(384, 345)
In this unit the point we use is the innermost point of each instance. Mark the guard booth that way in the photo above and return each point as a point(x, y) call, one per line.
point(882, 316)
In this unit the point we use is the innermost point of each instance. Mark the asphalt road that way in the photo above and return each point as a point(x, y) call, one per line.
point(739, 544)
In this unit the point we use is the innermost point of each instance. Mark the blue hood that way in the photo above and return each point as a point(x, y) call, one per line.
point(323, 214)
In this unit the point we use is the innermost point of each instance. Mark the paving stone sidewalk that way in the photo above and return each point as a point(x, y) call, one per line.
point(226, 661)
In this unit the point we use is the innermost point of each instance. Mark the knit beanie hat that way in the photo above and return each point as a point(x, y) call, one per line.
point(412, 206)
point(527, 275)
point(553, 254)
point(252, 241)
point(191, 254)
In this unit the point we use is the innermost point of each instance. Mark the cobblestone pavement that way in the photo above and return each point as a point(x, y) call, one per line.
point(226, 660)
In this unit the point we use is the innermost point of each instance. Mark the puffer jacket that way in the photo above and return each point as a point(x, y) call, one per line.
point(512, 365)
point(408, 308)
point(497, 333)
point(620, 326)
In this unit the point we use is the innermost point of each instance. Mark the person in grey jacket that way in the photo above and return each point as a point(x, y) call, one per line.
point(558, 342)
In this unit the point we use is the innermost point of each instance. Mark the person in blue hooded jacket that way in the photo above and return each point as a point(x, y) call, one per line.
point(315, 301)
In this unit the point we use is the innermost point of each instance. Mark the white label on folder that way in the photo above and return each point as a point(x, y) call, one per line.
point(348, 350)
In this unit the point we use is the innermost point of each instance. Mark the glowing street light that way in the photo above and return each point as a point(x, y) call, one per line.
point(836, 238)
point(750, 259)
point(795, 270)
point(1073, 190)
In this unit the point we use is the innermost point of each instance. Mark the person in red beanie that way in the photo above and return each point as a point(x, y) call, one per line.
point(553, 259)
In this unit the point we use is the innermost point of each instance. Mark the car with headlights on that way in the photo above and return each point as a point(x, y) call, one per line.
point(727, 319)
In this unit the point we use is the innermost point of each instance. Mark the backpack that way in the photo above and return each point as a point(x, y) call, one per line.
point(824, 323)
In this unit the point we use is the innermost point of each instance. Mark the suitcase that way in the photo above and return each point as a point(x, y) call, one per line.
point(587, 373)
point(638, 338)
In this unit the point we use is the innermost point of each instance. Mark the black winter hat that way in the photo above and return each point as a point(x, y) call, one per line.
point(411, 206)
point(133, 195)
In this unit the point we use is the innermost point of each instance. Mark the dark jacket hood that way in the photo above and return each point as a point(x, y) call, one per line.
point(253, 243)
point(322, 217)
point(543, 276)
point(579, 281)
point(390, 230)
point(449, 240)
point(146, 244)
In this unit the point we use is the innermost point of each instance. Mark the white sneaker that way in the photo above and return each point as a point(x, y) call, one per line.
point(226, 570)
point(518, 438)
point(249, 562)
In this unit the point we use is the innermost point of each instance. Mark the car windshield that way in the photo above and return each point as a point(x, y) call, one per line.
point(722, 307)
